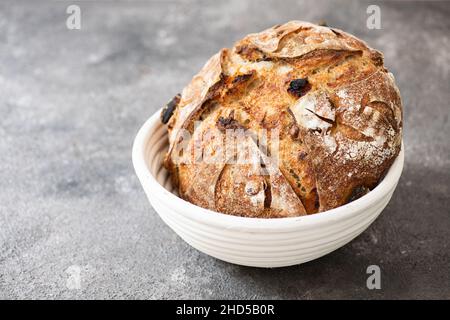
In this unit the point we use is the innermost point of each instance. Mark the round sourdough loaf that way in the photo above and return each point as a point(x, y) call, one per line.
point(321, 119)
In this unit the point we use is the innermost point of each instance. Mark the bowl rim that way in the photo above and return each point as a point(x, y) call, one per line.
point(217, 219)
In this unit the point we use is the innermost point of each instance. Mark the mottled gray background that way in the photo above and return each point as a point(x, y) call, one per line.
point(72, 101)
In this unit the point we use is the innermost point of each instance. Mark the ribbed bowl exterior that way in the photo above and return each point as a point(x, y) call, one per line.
point(253, 241)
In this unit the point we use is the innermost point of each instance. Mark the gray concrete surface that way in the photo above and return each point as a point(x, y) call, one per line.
point(72, 101)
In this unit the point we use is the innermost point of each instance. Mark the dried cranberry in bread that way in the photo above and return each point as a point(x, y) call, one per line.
point(333, 104)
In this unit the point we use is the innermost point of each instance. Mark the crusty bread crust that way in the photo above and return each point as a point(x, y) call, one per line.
point(336, 108)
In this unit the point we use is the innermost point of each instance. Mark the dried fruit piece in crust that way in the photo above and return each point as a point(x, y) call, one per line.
point(351, 143)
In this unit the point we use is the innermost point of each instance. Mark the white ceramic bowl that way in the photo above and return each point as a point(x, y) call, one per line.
point(253, 241)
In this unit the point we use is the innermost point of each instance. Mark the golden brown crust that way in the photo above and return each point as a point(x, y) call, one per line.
point(336, 109)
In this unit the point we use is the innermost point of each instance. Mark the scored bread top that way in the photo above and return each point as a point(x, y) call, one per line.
point(328, 96)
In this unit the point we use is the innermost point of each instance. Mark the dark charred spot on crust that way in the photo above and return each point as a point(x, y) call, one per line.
point(299, 87)
point(252, 189)
point(335, 32)
point(377, 58)
point(237, 83)
point(354, 134)
point(242, 78)
point(267, 193)
point(294, 131)
point(302, 155)
point(228, 123)
point(170, 107)
point(357, 193)
point(316, 199)
point(386, 112)
point(251, 53)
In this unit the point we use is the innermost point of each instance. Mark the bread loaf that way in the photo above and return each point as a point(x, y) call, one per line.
point(318, 114)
